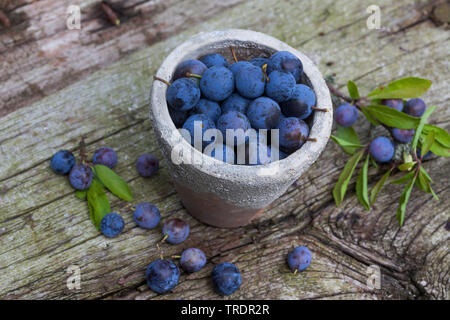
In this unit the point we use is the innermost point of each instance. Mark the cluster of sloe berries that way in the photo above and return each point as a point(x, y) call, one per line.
point(382, 148)
point(263, 93)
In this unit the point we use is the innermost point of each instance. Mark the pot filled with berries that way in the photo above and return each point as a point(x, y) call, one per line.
point(239, 116)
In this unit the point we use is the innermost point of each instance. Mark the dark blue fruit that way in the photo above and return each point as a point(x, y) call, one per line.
point(280, 86)
point(224, 153)
point(183, 94)
point(62, 162)
point(300, 103)
point(175, 231)
point(235, 123)
point(286, 61)
point(292, 133)
point(217, 83)
point(105, 156)
point(204, 123)
point(235, 102)
point(403, 136)
point(259, 62)
point(397, 104)
point(178, 117)
point(162, 276)
point(258, 152)
point(415, 107)
point(80, 176)
point(192, 260)
point(346, 115)
point(189, 66)
point(147, 165)
point(214, 59)
point(263, 113)
point(209, 108)
point(111, 225)
point(235, 67)
point(226, 278)
point(146, 215)
point(382, 149)
point(299, 259)
point(250, 81)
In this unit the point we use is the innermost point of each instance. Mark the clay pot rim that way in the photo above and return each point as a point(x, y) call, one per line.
point(288, 167)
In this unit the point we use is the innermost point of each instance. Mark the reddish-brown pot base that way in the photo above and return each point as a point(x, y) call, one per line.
point(212, 210)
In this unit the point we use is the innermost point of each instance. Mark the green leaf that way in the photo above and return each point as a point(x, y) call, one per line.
point(352, 90)
point(361, 185)
point(424, 183)
point(348, 134)
point(374, 163)
point(98, 202)
point(404, 201)
point(369, 117)
point(344, 178)
point(441, 135)
point(378, 186)
point(403, 179)
point(113, 182)
point(411, 87)
point(425, 173)
point(419, 128)
point(407, 166)
point(426, 144)
point(393, 118)
point(344, 143)
point(439, 150)
point(81, 194)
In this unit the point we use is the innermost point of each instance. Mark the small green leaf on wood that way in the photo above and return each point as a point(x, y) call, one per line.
point(378, 186)
point(403, 179)
point(426, 144)
point(361, 185)
point(424, 183)
point(352, 90)
point(113, 182)
point(410, 87)
point(404, 201)
point(81, 194)
point(344, 178)
point(439, 150)
point(407, 166)
point(419, 128)
point(348, 139)
point(441, 135)
point(425, 173)
point(98, 202)
point(393, 118)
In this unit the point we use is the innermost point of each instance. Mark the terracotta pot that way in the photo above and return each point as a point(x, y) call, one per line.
point(218, 193)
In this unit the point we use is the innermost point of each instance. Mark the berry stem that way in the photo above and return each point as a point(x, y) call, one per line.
point(176, 257)
point(307, 139)
point(188, 74)
point(164, 238)
point(162, 80)
point(233, 53)
point(264, 70)
point(295, 272)
point(112, 16)
point(83, 153)
point(319, 109)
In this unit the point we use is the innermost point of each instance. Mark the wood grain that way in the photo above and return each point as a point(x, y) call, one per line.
point(44, 228)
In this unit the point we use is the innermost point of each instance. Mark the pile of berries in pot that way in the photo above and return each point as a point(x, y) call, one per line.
point(249, 112)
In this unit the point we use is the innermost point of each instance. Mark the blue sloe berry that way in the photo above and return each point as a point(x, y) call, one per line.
point(300, 103)
point(346, 115)
point(80, 176)
point(259, 62)
point(183, 94)
point(415, 107)
point(250, 81)
point(209, 108)
point(235, 102)
point(263, 113)
point(147, 165)
point(403, 135)
point(280, 86)
point(162, 275)
point(192, 66)
point(178, 117)
point(233, 120)
point(382, 149)
point(396, 104)
point(62, 162)
point(235, 67)
point(105, 156)
point(146, 215)
point(205, 123)
point(292, 133)
point(226, 278)
point(299, 258)
point(217, 83)
point(111, 225)
point(214, 59)
point(175, 230)
point(192, 260)
point(286, 61)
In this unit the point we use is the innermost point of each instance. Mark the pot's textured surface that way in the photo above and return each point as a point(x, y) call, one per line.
point(248, 187)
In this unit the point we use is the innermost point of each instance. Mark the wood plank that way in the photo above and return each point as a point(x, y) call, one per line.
point(46, 231)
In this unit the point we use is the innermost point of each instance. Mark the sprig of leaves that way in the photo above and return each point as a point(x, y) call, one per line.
point(427, 137)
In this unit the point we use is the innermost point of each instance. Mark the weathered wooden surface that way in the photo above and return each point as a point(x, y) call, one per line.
point(44, 228)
